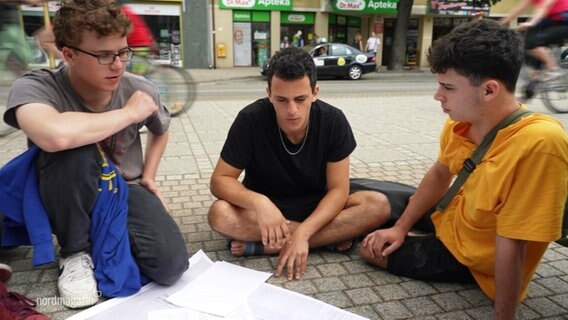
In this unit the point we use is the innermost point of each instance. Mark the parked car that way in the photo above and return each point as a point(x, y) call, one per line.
point(338, 60)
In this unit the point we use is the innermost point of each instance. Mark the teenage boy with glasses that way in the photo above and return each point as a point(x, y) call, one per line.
point(84, 117)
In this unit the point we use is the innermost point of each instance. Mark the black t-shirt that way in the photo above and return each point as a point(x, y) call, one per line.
point(295, 183)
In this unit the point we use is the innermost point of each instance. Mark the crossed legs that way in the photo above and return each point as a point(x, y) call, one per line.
point(364, 212)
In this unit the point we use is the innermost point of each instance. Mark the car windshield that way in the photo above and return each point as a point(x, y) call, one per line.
point(309, 48)
point(335, 49)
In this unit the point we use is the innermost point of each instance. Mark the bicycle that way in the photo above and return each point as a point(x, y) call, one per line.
point(175, 85)
point(554, 93)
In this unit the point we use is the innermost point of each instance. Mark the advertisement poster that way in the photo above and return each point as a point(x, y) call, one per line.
point(457, 7)
point(242, 44)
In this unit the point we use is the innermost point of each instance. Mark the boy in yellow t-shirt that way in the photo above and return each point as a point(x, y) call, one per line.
point(495, 230)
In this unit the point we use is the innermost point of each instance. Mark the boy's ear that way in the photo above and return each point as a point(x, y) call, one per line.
point(492, 89)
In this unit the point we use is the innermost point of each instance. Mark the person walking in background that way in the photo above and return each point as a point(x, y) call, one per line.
point(373, 43)
point(358, 42)
point(15, 52)
point(497, 228)
point(297, 40)
point(547, 25)
point(285, 43)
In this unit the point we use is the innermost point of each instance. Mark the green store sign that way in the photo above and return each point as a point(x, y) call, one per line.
point(297, 18)
point(365, 6)
point(272, 5)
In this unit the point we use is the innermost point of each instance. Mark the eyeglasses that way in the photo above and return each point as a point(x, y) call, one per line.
point(108, 58)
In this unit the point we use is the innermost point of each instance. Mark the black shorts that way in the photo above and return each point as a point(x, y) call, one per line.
point(398, 195)
point(426, 258)
point(547, 32)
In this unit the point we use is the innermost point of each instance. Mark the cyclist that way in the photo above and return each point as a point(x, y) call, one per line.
point(15, 52)
point(140, 39)
point(547, 25)
point(140, 36)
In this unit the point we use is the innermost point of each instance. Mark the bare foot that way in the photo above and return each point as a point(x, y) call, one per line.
point(238, 249)
point(344, 246)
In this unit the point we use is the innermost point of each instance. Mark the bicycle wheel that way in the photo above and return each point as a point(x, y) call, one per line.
point(555, 95)
point(177, 90)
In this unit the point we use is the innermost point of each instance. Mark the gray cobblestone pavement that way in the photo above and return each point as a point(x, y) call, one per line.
point(397, 140)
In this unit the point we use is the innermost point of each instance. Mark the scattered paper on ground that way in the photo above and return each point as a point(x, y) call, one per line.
point(213, 291)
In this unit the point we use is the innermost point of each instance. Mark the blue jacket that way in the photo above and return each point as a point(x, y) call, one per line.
point(26, 222)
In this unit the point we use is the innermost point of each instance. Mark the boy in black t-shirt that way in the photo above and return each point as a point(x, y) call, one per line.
point(295, 151)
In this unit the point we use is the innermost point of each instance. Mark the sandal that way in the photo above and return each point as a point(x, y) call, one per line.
point(252, 248)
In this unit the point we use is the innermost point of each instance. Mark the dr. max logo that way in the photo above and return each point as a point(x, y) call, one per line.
point(356, 5)
point(239, 3)
point(360, 5)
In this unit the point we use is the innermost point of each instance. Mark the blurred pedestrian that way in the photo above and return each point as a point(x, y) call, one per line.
point(373, 43)
point(285, 43)
point(15, 52)
point(547, 25)
point(297, 40)
point(358, 42)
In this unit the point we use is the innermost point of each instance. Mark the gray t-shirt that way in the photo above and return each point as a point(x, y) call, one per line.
point(53, 88)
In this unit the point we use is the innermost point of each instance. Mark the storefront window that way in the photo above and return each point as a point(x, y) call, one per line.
point(251, 38)
point(353, 27)
point(411, 41)
point(298, 27)
point(261, 42)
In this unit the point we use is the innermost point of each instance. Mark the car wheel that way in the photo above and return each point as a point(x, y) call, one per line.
point(355, 72)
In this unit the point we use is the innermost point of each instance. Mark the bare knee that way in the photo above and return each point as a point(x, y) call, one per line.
point(217, 216)
point(366, 255)
point(374, 205)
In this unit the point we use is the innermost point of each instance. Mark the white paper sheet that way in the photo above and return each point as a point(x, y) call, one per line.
point(253, 301)
point(220, 289)
point(150, 297)
point(272, 302)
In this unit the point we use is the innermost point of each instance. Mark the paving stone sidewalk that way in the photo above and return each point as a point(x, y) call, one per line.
point(397, 140)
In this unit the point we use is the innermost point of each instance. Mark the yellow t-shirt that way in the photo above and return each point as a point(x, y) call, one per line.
point(517, 191)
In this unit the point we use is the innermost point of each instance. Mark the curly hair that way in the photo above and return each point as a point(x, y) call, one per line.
point(103, 17)
point(480, 50)
point(291, 64)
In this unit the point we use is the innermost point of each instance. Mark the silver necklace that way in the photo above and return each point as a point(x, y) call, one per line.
point(303, 142)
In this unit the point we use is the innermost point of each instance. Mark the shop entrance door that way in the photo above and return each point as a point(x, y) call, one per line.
point(260, 42)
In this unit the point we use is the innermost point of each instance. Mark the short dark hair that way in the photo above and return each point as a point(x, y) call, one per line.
point(291, 64)
point(103, 17)
point(480, 50)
